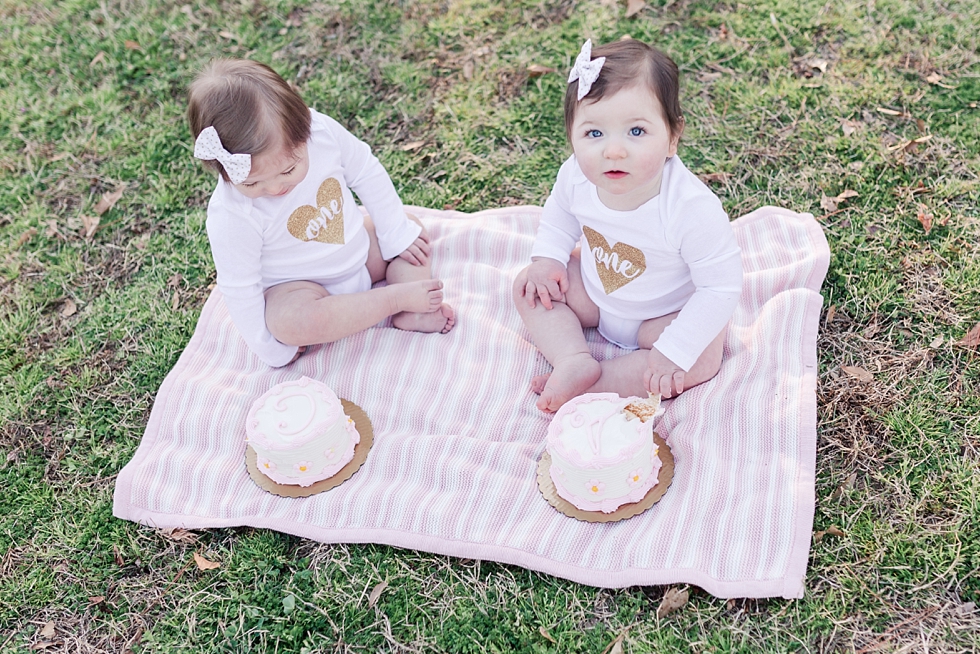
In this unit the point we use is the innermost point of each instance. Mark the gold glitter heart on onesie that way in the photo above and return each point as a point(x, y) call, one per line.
point(617, 266)
point(323, 223)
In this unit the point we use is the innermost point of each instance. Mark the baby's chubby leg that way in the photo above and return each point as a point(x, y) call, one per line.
point(557, 333)
point(436, 316)
point(624, 375)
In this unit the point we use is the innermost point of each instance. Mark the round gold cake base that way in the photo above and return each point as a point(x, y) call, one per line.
point(547, 488)
point(361, 449)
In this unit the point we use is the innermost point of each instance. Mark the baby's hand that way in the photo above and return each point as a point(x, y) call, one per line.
point(418, 252)
point(547, 279)
point(659, 374)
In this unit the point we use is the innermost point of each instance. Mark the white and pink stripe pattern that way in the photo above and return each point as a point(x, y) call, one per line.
point(457, 436)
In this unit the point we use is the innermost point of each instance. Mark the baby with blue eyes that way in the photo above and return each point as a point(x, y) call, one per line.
point(630, 241)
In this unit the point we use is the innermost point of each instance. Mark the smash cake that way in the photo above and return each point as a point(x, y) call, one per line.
point(300, 433)
point(602, 450)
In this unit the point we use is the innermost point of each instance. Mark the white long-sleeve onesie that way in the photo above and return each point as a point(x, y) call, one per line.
point(315, 232)
point(676, 252)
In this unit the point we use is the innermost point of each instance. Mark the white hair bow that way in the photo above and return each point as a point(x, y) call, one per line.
point(208, 147)
point(586, 70)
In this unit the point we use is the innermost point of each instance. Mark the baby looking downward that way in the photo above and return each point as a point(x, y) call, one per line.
point(295, 257)
point(630, 241)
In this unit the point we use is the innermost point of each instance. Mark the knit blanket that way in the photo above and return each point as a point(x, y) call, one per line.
point(457, 436)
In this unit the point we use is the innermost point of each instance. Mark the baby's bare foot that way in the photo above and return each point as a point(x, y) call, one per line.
point(571, 377)
point(422, 296)
point(441, 320)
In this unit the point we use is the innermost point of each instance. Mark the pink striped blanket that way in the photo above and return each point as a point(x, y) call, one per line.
point(457, 436)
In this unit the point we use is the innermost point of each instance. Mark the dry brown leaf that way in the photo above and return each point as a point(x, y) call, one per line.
point(175, 300)
point(109, 200)
point(26, 236)
point(537, 70)
point(828, 203)
point(43, 644)
point(832, 530)
point(179, 535)
point(934, 78)
point(117, 556)
point(972, 338)
point(414, 145)
point(892, 112)
point(616, 646)
point(52, 229)
point(925, 219)
point(708, 77)
point(858, 373)
point(547, 636)
point(831, 312)
point(227, 35)
point(633, 7)
point(89, 225)
point(674, 599)
point(204, 564)
point(849, 127)
point(847, 193)
point(468, 69)
point(94, 600)
point(47, 631)
point(718, 178)
point(936, 342)
point(819, 64)
point(68, 309)
point(376, 594)
point(97, 59)
point(131, 45)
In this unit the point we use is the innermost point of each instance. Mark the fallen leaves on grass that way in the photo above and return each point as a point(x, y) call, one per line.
point(832, 530)
point(925, 218)
point(203, 563)
point(413, 145)
point(537, 70)
point(849, 126)
point(544, 633)
point(68, 309)
point(26, 236)
point(909, 145)
point(97, 59)
point(89, 225)
point(47, 631)
point(376, 594)
point(717, 178)
point(131, 45)
point(117, 556)
point(831, 203)
point(893, 112)
point(179, 535)
point(616, 646)
point(109, 200)
point(633, 7)
point(937, 80)
point(972, 338)
point(674, 600)
point(858, 373)
point(52, 230)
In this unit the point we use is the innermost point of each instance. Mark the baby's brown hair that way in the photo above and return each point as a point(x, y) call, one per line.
point(630, 63)
point(250, 106)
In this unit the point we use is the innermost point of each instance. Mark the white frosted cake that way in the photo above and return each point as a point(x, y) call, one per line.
point(300, 433)
point(602, 456)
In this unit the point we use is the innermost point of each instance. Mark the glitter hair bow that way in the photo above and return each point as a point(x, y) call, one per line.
point(208, 147)
point(586, 70)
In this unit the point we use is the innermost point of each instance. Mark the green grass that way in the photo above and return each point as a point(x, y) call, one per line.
point(92, 98)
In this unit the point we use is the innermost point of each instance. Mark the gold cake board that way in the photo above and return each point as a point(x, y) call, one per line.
point(547, 488)
point(361, 449)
